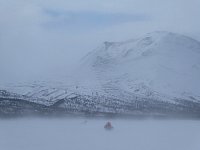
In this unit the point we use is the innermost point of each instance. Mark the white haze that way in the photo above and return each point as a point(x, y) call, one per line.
point(89, 134)
point(48, 37)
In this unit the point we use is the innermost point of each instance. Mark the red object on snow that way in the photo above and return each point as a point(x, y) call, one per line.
point(108, 125)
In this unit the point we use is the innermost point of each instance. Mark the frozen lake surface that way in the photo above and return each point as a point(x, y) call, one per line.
point(89, 134)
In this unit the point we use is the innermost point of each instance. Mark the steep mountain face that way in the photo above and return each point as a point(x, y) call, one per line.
point(155, 74)
point(159, 64)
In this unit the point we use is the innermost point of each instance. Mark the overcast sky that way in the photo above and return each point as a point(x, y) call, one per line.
point(37, 36)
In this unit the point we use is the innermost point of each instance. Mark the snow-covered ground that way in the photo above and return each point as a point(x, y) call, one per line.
point(89, 134)
point(161, 66)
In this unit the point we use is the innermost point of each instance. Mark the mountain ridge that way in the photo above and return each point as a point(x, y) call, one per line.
point(158, 72)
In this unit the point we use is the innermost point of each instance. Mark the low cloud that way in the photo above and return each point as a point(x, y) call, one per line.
point(40, 36)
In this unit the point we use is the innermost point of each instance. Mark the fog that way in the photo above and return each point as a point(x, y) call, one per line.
point(44, 38)
point(89, 134)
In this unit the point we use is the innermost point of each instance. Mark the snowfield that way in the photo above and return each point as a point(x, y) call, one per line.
point(89, 134)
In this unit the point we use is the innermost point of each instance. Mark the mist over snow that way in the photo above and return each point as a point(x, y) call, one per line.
point(89, 134)
point(48, 38)
point(84, 63)
point(156, 74)
point(155, 63)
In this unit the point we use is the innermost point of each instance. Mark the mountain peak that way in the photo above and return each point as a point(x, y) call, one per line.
point(173, 38)
point(150, 43)
point(161, 61)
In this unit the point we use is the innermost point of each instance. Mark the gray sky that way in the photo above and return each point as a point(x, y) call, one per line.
point(40, 36)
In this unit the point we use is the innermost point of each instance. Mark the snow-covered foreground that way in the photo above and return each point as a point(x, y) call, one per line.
point(89, 134)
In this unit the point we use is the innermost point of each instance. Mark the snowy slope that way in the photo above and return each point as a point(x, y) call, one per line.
point(39, 92)
point(158, 72)
point(159, 63)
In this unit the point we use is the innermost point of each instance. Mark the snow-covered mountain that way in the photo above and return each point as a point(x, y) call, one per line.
point(156, 73)
point(159, 63)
